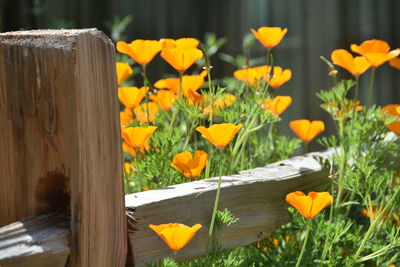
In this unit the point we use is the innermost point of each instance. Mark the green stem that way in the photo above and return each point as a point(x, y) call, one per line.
point(189, 135)
point(304, 242)
point(357, 86)
point(327, 243)
point(211, 230)
point(375, 222)
point(147, 93)
point(305, 147)
point(342, 158)
point(268, 55)
point(212, 93)
point(207, 172)
point(371, 85)
point(138, 170)
point(180, 84)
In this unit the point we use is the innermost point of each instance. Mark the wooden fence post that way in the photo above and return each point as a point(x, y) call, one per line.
point(60, 144)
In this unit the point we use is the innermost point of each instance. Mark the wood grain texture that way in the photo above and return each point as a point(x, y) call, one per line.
point(36, 242)
point(256, 197)
point(60, 140)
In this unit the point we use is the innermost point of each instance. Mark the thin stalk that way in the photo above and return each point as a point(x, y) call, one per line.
point(342, 160)
point(305, 147)
point(147, 93)
point(326, 245)
point(207, 172)
point(268, 55)
point(212, 93)
point(189, 135)
point(175, 113)
point(357, 86)
point(371, 85)
point(138, 170)
point(211, 230)
point(304, 243)
point(375, 223)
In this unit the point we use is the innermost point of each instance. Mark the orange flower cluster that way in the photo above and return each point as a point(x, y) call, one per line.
point(309, 206)
point(175, 235)
point(276, 77)
point(189, 82)
point(373, 53)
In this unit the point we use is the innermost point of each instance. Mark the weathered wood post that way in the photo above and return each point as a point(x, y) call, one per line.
point(60, 144)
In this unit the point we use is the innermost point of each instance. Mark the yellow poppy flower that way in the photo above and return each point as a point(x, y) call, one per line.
point(131, 96)
point(180, 58)
point(279, 76)
point(184, 43)
point(175, 235)
point(123, 71)
point(278, 104)
point(251, 75)
point(309, 206)
point(269, 36)
point(220, 135)
point(395, 63)
point(375, 51)
point(307, 130)
point(142, 51)
point(226, 101)
point(141, 112)
point(164, 98)
point(355, 65)
point(125, 117)
point(136, 137)
point(394, 110)
point(193, 82)
point(190, 166)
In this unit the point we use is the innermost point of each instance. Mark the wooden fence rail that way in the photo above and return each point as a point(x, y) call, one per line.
point(60, 155)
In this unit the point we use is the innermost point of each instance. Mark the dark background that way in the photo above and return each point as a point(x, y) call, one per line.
point(316, 27)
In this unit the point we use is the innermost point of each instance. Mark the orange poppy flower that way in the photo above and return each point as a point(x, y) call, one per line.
point(184, 43)
point(137, 137)
point(131, 96)
point(194, 97)
point(269, 36)
point(190, 166)
point(375, 51)
point(334, 106)
point(395, 63)
point(279, 76)
point(278, 104)
point(142, 51)
point(125, 117)
point(193, 82)
point(128, 167)
point(164, 98)
point(175, 235)
point(127, 148)
point(226, 101)
point(309, 206)
point(251, 75)
point(394, 110)
point(355, 65)
point(123, 71)
point(181, 58)
point(141, 112)
point(219, 134)
point(307, 130)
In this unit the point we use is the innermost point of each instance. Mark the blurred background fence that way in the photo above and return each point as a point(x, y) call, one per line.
point(316, 27)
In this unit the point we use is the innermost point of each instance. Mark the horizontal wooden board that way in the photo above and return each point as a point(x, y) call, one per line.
point(39, 241)
point(256, 197)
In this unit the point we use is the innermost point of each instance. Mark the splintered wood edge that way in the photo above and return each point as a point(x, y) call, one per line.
point(256, 197)
point(38, 241)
